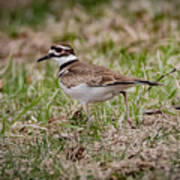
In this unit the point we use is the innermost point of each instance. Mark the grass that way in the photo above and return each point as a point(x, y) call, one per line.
point(44, 133)
point(34, 13)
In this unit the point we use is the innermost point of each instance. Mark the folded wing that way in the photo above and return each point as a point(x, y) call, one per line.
point(97, 76)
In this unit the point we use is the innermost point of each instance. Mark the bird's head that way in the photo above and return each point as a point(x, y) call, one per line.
point(61, 53)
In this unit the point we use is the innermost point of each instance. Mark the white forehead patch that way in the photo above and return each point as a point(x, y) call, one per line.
point(51, 51)
point(64, 47)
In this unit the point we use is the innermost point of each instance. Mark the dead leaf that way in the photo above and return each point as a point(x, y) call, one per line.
point(75, 153)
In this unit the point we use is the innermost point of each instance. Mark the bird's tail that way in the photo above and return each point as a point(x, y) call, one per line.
point(150, 83)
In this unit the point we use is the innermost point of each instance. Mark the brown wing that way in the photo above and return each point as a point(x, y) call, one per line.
point(81, 72)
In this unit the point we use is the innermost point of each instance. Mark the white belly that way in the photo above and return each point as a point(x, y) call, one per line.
point(86, 94)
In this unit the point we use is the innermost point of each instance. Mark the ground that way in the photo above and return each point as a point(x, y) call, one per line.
point(45, 134)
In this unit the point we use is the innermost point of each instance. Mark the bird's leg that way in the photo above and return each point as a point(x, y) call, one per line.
point(127, 108)
point(86, 109)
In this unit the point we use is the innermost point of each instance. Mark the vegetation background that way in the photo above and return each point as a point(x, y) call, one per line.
point(43, 132)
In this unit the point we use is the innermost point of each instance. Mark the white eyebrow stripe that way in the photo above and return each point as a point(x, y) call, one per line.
point(64, 47)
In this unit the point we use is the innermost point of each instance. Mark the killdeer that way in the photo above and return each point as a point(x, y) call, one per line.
point(90, 83)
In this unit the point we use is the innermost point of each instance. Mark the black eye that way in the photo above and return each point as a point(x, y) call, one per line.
point(58, 49)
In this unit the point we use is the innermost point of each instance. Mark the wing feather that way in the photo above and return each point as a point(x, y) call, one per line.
point(93, 75)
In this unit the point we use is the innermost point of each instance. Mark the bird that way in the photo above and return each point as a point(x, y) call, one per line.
point(90, 83)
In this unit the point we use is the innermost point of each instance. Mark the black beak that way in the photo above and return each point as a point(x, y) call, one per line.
point(44, 58)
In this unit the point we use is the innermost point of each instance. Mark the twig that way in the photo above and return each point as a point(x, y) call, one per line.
point(162, 76)
point(149, 113)
point(177, 107)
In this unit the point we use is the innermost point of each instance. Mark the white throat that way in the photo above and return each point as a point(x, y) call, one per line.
point(65, 59)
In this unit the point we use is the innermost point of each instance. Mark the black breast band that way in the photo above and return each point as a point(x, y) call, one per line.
point(67, 63)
